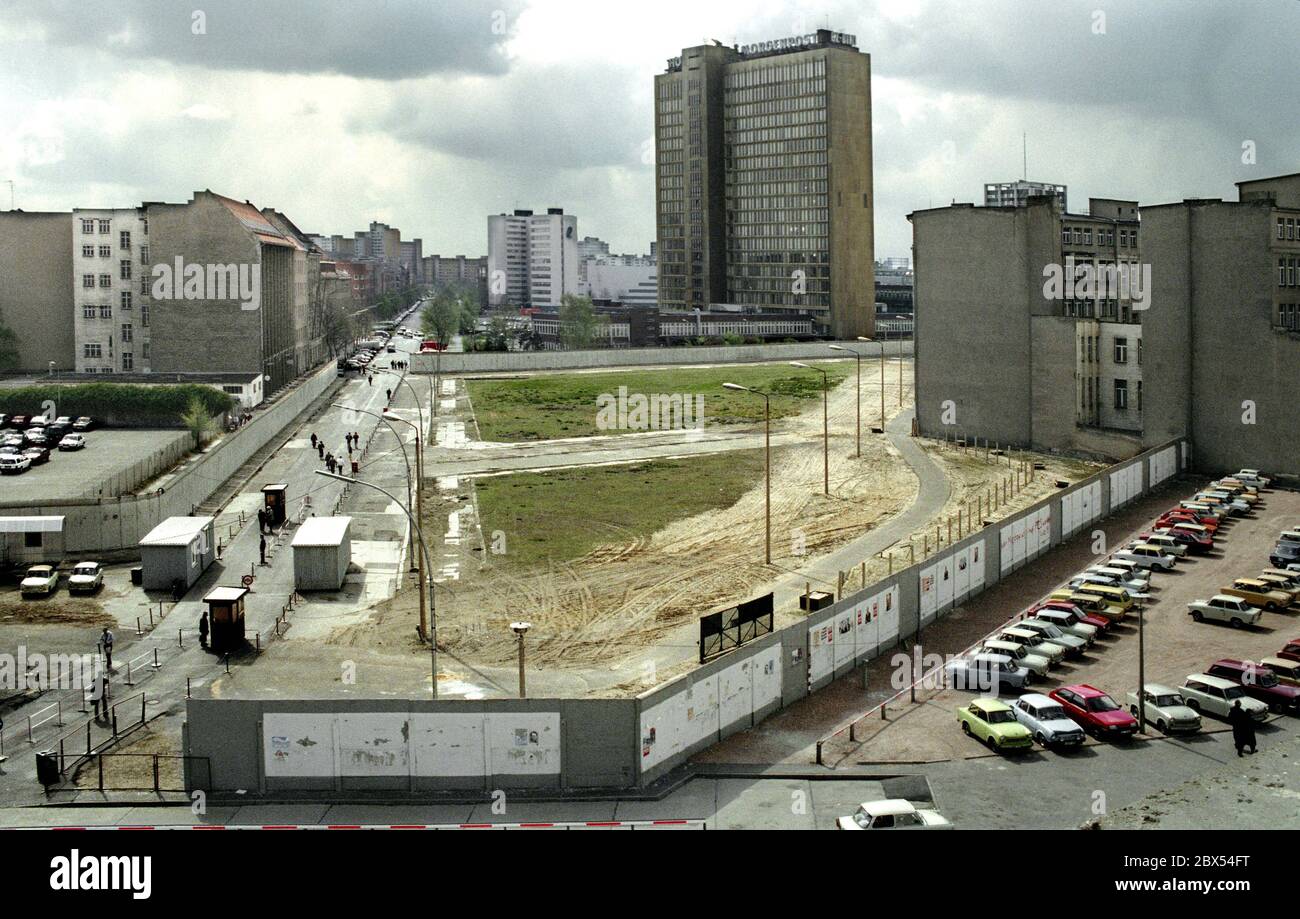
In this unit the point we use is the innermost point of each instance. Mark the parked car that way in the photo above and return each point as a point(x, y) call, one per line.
point(986, 672)
point(18, 422)
point(1215, 696)
point(1257, 593)
point(41, 581)
point(1291, 651)
point(35, 436)
point(1036, 664)
point(72, 442)
point(1253, 477)
point(1047, 721)
point(14, 464)
point(1081, 615)
point(1118, 577)
point(993, 722)
point(38, 455)
point(1067, 623)
point(1073, 644)
point(1196, 543)
point(1287, 672)
point(1220, 608)
point(1091, 604)
point(1095, 711)
point(1281, 584)
point(86, 577)
point(1147, 556)
point(893, 814)
point(1166, 543)
point(1166, 709)
point(1259, 682)
point(1284, 555)
point(1034, 643)
point(84, 423)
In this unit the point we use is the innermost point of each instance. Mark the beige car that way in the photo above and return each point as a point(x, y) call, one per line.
point(1257, 593)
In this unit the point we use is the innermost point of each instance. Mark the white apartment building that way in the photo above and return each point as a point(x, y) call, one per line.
point(111, 280)
point(532, 258)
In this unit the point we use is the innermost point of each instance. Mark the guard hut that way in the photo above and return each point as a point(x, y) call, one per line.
point(322, 551)
point(226, 618)
point(177, 551)
point(30, 541)
point(275, 502)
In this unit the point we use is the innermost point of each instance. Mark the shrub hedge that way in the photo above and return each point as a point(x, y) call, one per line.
point(115, 400)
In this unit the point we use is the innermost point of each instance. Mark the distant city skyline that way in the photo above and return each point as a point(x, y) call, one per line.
point(549, 102)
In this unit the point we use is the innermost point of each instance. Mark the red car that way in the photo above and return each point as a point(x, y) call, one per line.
point(1101, 622)
point(1291, 652)
point(1195, 542)
point(1094, 711)
point(1173, 518)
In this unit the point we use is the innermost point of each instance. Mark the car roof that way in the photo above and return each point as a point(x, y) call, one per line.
point(1255, 581)
point(991, 705)
point(1229, 599)
point(1217, 682)
point(1159, 689)
point(894, 806)
point(1083, 689)
point(1037, 698)
point(1275, 662)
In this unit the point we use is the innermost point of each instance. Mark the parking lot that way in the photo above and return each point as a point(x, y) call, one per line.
point(110, 459)
point(1176, 647)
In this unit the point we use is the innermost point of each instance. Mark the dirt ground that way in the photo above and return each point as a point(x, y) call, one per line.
point(615, 602)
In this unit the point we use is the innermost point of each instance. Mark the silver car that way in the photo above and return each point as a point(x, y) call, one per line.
point(1166, 709)
point(1047, 721)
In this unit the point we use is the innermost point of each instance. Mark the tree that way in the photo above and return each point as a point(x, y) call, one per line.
point(579, 324)
point(8, 348)
point(198, 421)
point(442, 319)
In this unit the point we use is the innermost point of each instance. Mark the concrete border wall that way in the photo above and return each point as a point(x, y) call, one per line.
point(622, 743)
point(507, 361)
point(114, 524)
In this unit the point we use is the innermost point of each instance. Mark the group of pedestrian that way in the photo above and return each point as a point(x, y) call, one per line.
point(399, 365)
point(264, 520)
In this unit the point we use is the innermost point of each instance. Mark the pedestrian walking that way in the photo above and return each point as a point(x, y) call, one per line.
point(320, 448)
point(370, 380)
point(261, 548)
point(313, 441)
point(356, 438)
point(389, 394)
point(106, 642)
point(261, 520)
point(203, 631)
point(1243, 728)
point(99, 696)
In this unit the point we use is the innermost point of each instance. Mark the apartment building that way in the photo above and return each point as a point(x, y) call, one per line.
point(532, 258)
point(1024, 334)
point(763, 180)
point(111, 277)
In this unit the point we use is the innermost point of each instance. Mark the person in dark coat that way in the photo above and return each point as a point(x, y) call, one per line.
point(320, 448)
point(261, 520)
point(261, 548)
point(203, 631)
point(313, 441)
point(1243, 728)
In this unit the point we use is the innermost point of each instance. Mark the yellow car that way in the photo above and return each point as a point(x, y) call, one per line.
point(1258, 594)
point(994, 723)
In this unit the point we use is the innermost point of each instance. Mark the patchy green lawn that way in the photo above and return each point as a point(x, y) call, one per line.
point(561, 516)
point(568, 405)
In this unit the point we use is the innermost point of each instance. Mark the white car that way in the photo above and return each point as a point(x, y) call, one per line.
point(14, 464)
point(1135, 573)
point(1109, 580)
point(1068, 623)
point(893, 814)
point(72, 442)
point(1034, 663)
point(1220, 608)
point(1147, 556)
point(1035, 643)
point(1252, 477)
point(985, 672)
point(1167, 544)
point(86, 577)
point(41, 581)
point(1215, 695)
point(1166, 709)
point(1047, 721)
point(1073, 644)
point(1122, 577)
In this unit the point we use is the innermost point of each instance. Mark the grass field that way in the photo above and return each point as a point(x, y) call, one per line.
point(563, 515)
point(548, 407)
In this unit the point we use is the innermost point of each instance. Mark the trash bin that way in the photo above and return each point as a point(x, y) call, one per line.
point(47, 768)
point(137, 576)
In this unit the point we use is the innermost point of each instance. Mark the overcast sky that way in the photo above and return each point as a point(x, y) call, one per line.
point(431, 114)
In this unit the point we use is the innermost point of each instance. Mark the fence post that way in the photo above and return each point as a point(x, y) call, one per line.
point(156, 665)
point(155, 773)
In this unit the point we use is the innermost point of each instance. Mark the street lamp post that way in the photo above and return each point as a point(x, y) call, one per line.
point(521, 629)
point(767, 455)
point(429, 618)
point(882, 379)
point(826, 430)
point(858, 356)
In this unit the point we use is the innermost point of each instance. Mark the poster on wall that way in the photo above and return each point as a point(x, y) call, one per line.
point(886, 604)
point(961, 575)
point(866, 627)
point(929, 591)
point(298, 745)
point(846, 640)
point(977, 566)
point(821, 651)
point(946, 584)
point(524, 743)
point(767, 677)
point(373, 744)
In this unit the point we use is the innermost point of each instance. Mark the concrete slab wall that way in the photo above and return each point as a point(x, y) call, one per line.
point(487, 362)
point(119, 523)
